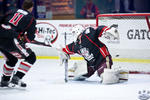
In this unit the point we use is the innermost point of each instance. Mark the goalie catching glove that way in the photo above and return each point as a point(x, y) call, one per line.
point(111, 32)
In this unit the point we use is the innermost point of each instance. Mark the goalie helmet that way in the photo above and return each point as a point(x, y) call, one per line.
point(76, 30)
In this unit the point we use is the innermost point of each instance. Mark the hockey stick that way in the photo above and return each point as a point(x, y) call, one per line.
point(66, 61)
point(40, 43)
point(43, 44)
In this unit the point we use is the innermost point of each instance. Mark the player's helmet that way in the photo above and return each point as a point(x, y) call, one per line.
point(76, 30)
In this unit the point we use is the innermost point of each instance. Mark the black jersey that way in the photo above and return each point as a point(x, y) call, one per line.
point(89, 46)
point(21, 21)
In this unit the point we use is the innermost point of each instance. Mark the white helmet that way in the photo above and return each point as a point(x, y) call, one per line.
point(76, 30)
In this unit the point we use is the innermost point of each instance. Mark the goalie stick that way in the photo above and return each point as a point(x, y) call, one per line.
point(40, 43)
point(43, 44)
point(66, 61)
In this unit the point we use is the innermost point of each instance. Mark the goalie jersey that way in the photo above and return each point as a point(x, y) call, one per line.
point(89, 46)
point(21, 21)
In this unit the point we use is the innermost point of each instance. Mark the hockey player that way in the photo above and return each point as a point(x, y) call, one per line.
point(16, 29)
point(87, 44)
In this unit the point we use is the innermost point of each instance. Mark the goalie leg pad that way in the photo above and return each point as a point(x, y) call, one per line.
point(109, 76)
point(79, 68)
point(87, 73)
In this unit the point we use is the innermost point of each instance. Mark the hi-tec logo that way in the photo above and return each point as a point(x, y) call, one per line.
point(138, 34)
point(46, 32)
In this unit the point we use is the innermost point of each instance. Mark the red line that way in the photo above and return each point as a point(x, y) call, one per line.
point(138, 72)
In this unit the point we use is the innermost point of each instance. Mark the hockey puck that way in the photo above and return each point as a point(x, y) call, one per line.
point(117, 55)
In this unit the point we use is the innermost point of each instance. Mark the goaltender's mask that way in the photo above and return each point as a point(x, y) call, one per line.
point(76, 31)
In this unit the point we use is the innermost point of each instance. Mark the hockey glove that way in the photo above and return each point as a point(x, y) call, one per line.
point(63, 56)
point(111, 33)
point(22, 40)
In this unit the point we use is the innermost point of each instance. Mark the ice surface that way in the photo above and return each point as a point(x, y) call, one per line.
point(46, 82)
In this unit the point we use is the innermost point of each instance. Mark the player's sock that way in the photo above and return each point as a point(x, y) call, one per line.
point(7, 72)
point(23, 68)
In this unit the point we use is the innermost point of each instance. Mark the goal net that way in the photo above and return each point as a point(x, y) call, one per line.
point(134, 39)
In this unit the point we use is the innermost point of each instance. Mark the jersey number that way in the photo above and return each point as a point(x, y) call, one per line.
point(15, 19)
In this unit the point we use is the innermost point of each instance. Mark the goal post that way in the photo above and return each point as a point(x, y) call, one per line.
point(128, 16)
point(134, 39)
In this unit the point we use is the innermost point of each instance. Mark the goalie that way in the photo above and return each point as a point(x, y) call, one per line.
point(97, 57)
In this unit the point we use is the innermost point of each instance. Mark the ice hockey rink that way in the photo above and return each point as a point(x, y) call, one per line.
point(46, 82)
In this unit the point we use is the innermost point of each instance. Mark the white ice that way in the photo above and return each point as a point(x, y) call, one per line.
point(46, 82)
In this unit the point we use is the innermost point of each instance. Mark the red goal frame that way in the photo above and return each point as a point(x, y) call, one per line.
point(125, 14)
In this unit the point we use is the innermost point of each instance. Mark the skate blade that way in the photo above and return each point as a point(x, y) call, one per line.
point(11, 85)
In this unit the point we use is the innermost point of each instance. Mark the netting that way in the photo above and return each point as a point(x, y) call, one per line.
point(134, 41)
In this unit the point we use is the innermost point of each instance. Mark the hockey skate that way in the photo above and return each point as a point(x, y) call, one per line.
point(4, 83)
point(17, 81)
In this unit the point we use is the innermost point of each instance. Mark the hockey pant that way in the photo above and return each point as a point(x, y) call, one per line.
point(106, 63)
point(13, 51)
